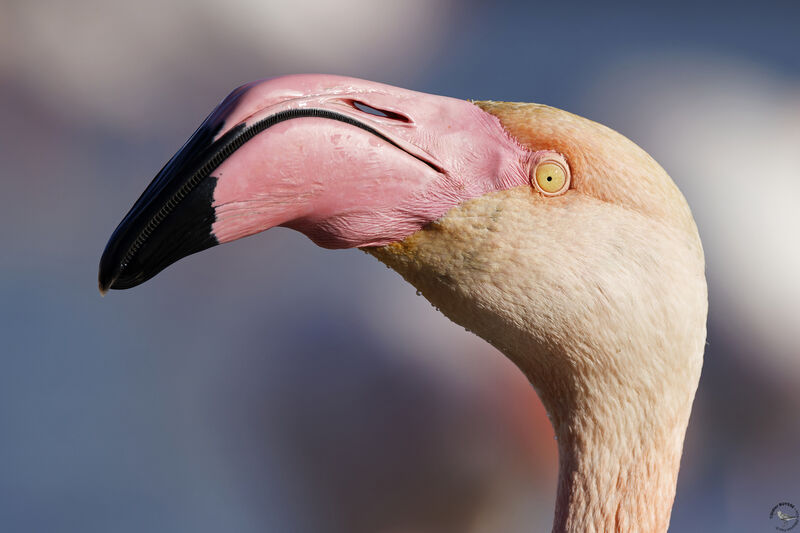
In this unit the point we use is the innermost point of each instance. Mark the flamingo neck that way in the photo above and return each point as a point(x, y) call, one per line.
point(619, 455)
point(625, 490)
point(603, 309)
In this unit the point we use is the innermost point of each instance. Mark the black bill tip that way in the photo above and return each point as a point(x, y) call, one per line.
point(173, 217)
point(147, 242)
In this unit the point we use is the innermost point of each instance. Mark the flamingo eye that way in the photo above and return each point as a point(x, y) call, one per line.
point(551, 177)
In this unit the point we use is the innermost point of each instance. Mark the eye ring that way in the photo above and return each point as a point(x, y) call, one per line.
point(550, 175)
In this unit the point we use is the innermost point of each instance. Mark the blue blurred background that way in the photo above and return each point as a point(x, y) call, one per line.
point(269, 385)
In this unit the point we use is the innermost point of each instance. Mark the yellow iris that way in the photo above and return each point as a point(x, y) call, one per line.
point(551, 177)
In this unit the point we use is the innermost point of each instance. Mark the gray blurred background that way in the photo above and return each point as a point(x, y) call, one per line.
point(269, 385)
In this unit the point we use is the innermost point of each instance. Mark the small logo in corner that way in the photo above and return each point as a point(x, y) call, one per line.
point(784, 516)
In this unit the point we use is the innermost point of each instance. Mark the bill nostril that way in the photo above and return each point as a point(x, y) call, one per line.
point(385, 113)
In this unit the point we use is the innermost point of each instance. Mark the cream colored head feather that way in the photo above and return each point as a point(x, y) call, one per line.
point(598, 295)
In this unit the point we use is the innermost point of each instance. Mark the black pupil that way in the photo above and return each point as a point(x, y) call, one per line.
point(549, 178)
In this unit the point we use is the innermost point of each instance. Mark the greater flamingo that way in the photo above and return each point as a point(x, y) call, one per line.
point(554, 238)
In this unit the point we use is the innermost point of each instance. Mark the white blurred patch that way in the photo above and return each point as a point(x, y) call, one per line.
point(115, 59)
point(729, 134)
point(348, 34)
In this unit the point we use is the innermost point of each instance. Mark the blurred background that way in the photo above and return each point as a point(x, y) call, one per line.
point(270, 385)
